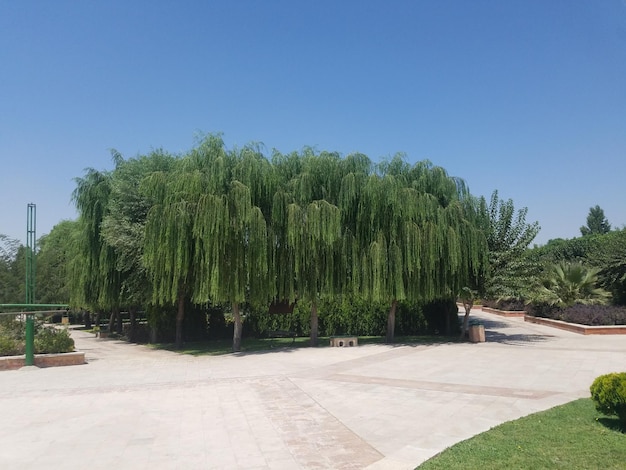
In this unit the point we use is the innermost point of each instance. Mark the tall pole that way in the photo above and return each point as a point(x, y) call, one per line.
point(31, 246)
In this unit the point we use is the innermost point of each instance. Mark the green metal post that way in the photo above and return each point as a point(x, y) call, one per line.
point(31, 241)
point(29, 358)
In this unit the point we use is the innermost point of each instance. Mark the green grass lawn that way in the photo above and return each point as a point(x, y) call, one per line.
point(224, 346)
point(572, 436)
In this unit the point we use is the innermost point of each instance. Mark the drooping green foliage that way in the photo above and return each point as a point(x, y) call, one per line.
point(232, 227)
point(94, 274)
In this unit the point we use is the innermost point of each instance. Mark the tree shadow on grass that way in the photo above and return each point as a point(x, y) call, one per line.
point(614, 424)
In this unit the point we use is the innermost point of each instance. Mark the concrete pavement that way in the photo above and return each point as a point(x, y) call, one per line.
point(370, 407)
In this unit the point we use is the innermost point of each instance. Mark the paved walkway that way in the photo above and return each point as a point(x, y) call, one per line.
point(372, 407)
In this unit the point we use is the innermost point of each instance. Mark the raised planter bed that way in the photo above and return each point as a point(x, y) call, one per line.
point(44, 360)
point(474, 307)
point(504, 313)
point(576, 328)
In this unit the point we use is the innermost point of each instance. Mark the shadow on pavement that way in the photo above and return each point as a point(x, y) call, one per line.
point(515, 339)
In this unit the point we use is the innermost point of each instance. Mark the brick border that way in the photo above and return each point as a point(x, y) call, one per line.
point(474, 307)
point(580, 329)
point(504, 313)
point(44, 360)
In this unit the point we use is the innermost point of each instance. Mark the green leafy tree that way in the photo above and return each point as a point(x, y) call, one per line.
point(597, 223)
point(609, 257)
point(53, 258)
point(123, 227)
point(11, 271)
point(508, 234)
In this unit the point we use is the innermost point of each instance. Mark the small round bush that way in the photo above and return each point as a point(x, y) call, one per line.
point(609, 394)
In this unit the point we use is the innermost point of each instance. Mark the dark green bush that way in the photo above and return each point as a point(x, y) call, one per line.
point(441, 317)
point(609, 394)
point(594, 315)
point(542, 309)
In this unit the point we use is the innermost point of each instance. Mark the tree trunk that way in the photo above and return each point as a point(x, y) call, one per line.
point(111, 320)
point(98, 319)
point(314, 324)
point(87, 319)
point(468, 308)
point(237, 329)
point(119, 326)
point(154, 334)
point(132, 313)
point(180, 316)
point(391, 321)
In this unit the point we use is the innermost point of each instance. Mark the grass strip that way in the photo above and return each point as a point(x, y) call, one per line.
point(571, 436)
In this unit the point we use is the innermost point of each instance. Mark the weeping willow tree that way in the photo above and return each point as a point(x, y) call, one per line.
point(123, 227)
point(306, 230)
point(409, 236)
point(312, 233)
point(230, 234)
point(169, 248)
point(95, 279)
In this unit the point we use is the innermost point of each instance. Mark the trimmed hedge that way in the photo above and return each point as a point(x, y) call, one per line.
point(590, 315)
point(338, 316)
point(354, 316)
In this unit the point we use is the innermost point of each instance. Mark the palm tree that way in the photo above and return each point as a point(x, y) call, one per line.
point(570, 283)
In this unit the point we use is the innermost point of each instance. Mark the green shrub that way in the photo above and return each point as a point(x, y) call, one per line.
point(53, 340)
point(9, 347)
point(609, 394)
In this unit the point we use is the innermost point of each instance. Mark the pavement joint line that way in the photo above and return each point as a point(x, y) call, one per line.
point(444, 387)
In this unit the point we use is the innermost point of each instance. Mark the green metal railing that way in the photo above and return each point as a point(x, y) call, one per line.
point(29, 347)
point(30, 309)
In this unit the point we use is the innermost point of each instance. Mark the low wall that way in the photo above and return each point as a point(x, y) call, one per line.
point(474, 307)
point(44, 360)
point(576, 328)
point(504, 313)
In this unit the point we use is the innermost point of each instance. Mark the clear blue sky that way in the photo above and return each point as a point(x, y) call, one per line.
point(524, 96)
